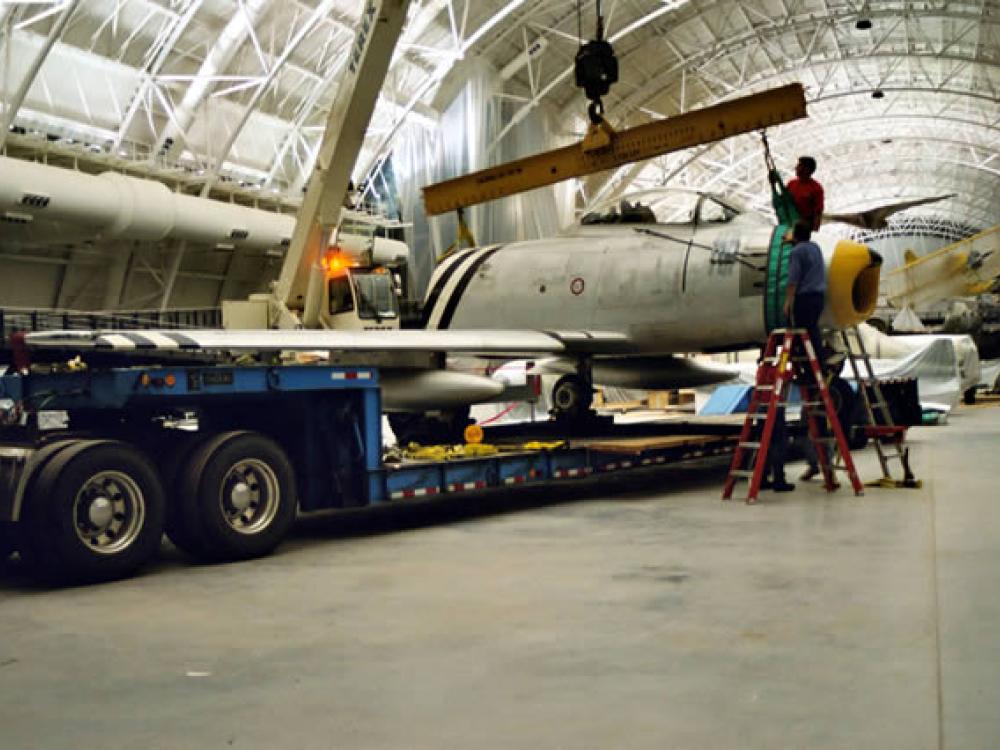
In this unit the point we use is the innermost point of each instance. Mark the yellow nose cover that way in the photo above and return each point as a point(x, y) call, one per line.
point(852, 284)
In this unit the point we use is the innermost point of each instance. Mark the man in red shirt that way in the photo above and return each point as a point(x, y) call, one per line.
point(807, 193)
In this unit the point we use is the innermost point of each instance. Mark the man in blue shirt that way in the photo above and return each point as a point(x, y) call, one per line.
point(806, 291)
point(804, 300)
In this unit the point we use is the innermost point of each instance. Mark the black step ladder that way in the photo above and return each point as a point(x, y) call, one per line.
point(880, 426)
point(789, 356)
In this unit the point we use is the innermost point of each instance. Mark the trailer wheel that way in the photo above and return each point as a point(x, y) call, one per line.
point(237, 497)
point(571, 396)
point(171, 469)
point(94, 513)
point(8, 545)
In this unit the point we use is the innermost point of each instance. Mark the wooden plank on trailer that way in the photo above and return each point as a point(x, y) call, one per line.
point(636, 446)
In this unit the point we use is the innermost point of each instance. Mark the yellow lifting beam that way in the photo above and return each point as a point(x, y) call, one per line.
point(603, 148)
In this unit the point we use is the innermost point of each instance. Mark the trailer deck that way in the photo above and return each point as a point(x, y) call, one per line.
point(221, 457)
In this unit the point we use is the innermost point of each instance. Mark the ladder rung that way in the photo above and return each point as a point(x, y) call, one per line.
point(742, 473)
point(750, 444)
point(765, 386)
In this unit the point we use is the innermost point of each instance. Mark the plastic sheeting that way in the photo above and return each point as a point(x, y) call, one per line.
point(936, 367)
point(881, 346)
point(461, 144)
point(989, 374)
point(935, 361)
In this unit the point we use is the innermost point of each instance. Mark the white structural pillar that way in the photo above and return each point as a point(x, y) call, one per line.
point(12, 106)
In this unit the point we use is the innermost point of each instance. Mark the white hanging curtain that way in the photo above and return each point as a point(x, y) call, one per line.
point(459, 145)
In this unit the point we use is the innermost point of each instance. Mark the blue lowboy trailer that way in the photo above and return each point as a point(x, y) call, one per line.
point(222, 457)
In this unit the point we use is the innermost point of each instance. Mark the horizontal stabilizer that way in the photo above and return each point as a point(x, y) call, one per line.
point(877, 218)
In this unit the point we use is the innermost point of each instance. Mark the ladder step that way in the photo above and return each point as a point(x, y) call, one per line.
point(750, 444)
point(765, 386)
point(742, 473)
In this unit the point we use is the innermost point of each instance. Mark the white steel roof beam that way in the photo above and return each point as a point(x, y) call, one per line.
point(303, 31)
point(164, 47)
point(218, 57)
point(13, 104)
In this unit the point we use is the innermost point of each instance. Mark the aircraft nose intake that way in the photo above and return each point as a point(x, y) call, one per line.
point(852, 283)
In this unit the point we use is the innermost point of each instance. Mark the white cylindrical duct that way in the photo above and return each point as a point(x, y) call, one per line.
point(145, 209)
point(114, 205)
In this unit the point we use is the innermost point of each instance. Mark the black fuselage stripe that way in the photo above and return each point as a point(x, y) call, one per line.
point(442, 281)
point(456, 296)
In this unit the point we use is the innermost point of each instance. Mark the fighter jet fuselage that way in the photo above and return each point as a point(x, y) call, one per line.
point(678, 287)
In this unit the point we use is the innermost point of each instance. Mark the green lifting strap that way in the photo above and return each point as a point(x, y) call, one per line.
point(777, 279)
point(777, 256)
point(781, 199)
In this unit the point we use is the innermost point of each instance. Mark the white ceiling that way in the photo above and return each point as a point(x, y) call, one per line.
point(220, 92)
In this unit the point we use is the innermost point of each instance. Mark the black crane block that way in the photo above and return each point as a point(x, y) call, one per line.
point(596, 68)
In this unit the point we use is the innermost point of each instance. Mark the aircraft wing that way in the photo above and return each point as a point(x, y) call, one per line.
point(877, 218)
point(483, 342)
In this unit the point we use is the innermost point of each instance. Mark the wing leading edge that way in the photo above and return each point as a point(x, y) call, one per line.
point(485, 342)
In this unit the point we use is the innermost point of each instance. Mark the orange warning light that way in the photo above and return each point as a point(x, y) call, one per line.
point(335, 263)
point(170, 380)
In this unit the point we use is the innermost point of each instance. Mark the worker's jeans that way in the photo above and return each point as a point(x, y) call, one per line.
point(806, 310)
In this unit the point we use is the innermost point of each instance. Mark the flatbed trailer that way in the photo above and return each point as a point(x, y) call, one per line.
point(222, 458)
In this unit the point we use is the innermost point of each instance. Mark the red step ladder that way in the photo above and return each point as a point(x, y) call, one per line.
point(782, 363)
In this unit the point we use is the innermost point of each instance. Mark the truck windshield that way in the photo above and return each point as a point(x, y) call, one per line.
point(341, 299)
point(376, 298)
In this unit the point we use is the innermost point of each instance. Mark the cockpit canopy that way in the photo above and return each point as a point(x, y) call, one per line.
point(665, 206)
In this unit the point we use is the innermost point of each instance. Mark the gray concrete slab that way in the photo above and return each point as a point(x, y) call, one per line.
point(634, 614)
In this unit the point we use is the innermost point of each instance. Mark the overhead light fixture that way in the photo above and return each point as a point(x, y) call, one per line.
point(864, 21)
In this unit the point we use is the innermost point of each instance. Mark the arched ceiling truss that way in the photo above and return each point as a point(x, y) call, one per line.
point(232, 94)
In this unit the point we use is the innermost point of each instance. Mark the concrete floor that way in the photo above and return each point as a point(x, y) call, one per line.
point(643, 614)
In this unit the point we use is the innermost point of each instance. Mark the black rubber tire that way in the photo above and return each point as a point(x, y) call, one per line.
point(173, 466)
point(32, 554)
point(50, 540)
point(571, 396)
point(850, 412)
point(206, 532)
point(969, 396)
point(8, 541)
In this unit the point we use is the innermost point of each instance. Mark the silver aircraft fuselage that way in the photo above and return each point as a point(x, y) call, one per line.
point(668, 287)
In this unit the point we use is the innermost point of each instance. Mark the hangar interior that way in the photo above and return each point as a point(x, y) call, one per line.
point(155, 158)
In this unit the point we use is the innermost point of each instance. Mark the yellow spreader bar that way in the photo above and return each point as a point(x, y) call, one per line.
point(749, 113)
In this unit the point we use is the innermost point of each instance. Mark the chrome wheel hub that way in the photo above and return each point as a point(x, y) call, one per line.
point(249, 496)
point(108, 512)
